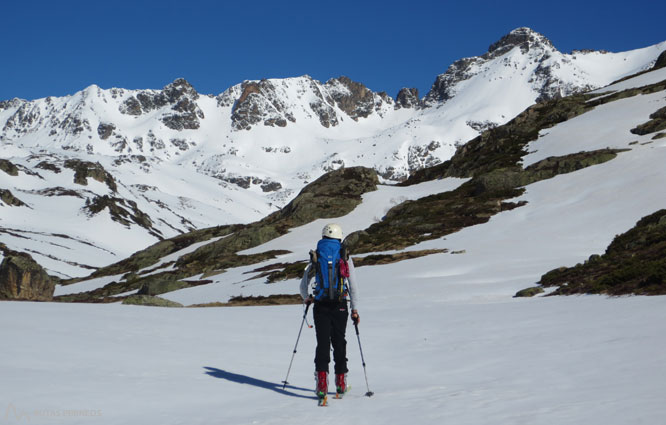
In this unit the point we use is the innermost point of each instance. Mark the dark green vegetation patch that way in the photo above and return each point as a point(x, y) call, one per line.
point(84, 169)
point(149, 300)
point(8, 198)
point(8, 167)
point(239, 301)
point(280, 271)
point(529, 292)
point(377, 259)
point(657, 123)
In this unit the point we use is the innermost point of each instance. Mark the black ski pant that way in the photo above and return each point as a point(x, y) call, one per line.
point(330, 324)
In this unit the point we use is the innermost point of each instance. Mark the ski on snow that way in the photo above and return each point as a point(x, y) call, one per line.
point(322, 401)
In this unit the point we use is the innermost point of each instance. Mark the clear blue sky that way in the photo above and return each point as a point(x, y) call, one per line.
point(58, 47)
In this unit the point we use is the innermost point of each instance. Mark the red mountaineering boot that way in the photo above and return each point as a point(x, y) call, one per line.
point(340, 384)
point(322, 386)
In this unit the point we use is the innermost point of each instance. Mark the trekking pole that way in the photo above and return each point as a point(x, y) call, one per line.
point(358, 337)
point(369, 393)
point(294, 354)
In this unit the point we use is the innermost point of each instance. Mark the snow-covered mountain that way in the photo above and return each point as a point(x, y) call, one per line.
point(105, 172)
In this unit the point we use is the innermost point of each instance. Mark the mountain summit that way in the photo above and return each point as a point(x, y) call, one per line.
point(524, 38)
point(524, 63)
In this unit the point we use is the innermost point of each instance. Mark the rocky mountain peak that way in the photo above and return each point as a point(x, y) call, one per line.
point(407, 98)
point(523, 37)
point(276, 102)
point(179, 88)
point(147, 100)
point(259, 101)
point(536, 57)
point(14, 103)
point(354, 98)
point(180, 95)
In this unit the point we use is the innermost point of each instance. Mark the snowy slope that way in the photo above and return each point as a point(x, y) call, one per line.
point(187, 160)
point(443, 339)
point(545, 361)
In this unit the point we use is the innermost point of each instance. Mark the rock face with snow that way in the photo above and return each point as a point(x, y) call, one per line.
point(179, 96)
point(529, 56)
point(271, 102)
point(407, 98)
point(120, 169)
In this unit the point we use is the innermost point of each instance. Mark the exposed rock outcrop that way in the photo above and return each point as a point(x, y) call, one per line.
point(522, 37)
point(122, 211)
point(407, 98)
point(355, 99)
point(104, 130)
point(661, 61)
point(8, 167)
point(21, 278)
point(180, 95)
point(8, 198)
point(259, 102)
point(149, 300)
point(160, 285)
point(45, 165)
point(657, 123)
point(332, 195)
point(85, 169)
point(266, 185)
point(272, 102)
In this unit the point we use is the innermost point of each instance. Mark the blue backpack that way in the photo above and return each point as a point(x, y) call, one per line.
point(331, 269)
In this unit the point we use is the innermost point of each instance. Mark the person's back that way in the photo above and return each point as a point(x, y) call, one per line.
point(334, 285)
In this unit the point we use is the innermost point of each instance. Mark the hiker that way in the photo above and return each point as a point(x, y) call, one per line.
point(334, 283)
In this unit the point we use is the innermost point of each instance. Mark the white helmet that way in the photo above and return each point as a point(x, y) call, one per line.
point(333, 231)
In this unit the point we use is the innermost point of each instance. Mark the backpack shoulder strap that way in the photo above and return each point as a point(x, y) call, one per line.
point(313, 263)
point(344, 252)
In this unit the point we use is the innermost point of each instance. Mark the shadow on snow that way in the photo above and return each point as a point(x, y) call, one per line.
point(247, 380)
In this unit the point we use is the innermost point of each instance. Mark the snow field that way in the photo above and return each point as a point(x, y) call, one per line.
point(540, 361)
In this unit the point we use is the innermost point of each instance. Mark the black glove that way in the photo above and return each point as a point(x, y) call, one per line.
point(355, 317)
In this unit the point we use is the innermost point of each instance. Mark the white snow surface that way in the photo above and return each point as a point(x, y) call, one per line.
point(639, 81)
point(442, 337)
point(544, 361)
